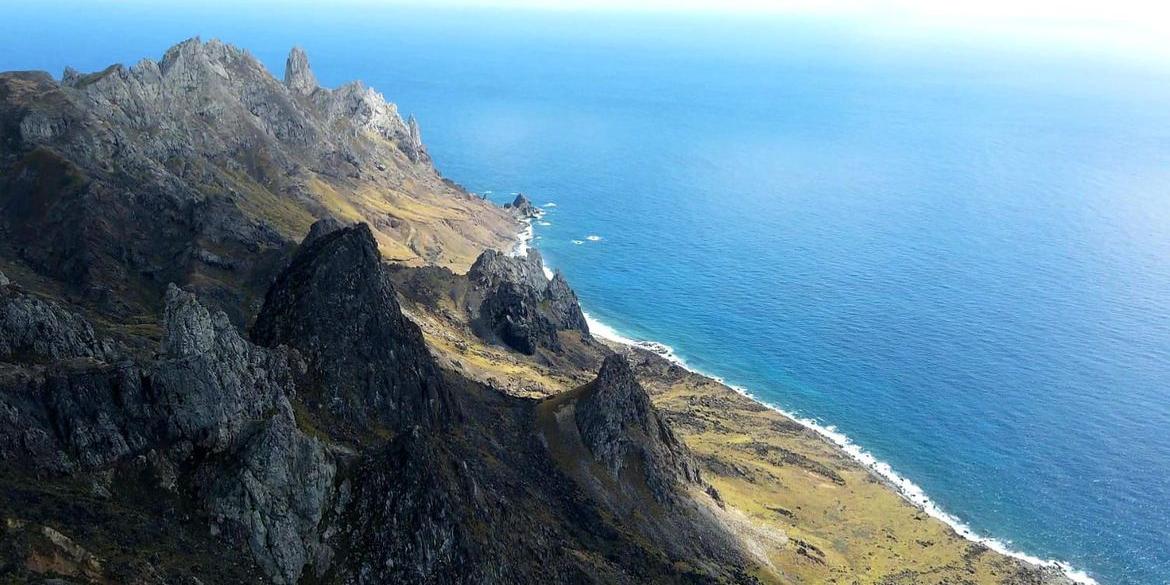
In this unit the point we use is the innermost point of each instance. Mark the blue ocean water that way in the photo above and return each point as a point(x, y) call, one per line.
point(954, 251)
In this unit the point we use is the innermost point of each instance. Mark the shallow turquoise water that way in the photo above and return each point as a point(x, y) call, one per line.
point(958, 255)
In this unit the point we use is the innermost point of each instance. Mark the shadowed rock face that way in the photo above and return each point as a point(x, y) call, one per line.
point(33, 328)
point(209, 421)
point(621, 428)
point(369, 365)
point(518, 306)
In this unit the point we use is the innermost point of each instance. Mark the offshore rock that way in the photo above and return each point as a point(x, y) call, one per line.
point(523, 206)
point(369, 366)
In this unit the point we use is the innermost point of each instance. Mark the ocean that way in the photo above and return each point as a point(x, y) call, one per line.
point(953, 251)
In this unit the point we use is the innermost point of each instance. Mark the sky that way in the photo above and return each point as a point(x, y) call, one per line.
point(1137, 31)
point(1132, 26)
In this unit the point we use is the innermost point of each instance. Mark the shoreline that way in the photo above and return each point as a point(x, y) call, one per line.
point(904, 487)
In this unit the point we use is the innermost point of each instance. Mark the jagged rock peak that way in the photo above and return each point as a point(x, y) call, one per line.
point(522, 205)
point(193, 52)
point(414, 146)
point(3, 280)
point(519, 306)
point(620, 427)
point(336, 305)
point(322, 228)
point(494, 267)
point(187, 326)
point(297, 75)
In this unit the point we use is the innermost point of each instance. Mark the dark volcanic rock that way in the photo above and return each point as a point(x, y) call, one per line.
point(523, 206)
point(321, 228)
point(621, 428)
point(518, 306)
point(275, 487)
point(32, 328)
point(210, 382)
point(73, 417)
point(213, 403)
point(369, 364)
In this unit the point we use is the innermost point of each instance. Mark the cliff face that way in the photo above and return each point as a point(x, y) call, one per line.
point(369, 366)
point(148, 213)
point(204, 170)
point(336, 451)
point(513, 303)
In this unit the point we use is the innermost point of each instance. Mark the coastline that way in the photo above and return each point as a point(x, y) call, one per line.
point(884, 472)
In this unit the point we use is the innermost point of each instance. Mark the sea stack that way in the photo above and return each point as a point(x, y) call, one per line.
point(523, 206)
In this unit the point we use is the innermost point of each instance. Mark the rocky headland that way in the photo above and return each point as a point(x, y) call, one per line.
point(248, 333)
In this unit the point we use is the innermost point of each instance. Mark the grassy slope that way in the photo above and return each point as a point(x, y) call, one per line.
point(843, 524)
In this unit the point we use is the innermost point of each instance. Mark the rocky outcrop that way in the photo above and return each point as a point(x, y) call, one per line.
point(213, 403)
point(32, 328)
point(73, 417)
point(297, 74)
point(626, 434)
point(369, 366)
point(230, 398)
point(516, 305)
point(414, 145)
point(523, 207)
point(211, 383)
point(203, 170)
point(275, 488)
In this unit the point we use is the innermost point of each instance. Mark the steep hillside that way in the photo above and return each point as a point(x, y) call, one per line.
point(203, 169)
point(249, 334)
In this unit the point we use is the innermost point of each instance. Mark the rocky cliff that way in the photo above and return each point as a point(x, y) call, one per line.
point(369, 367)
point(204, 170)
point(358, 434)
point(514, 304)
point(332, 449)
point(621, 429)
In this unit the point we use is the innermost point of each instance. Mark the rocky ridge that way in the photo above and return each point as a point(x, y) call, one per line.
point(333, 449)
point(204, 170)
